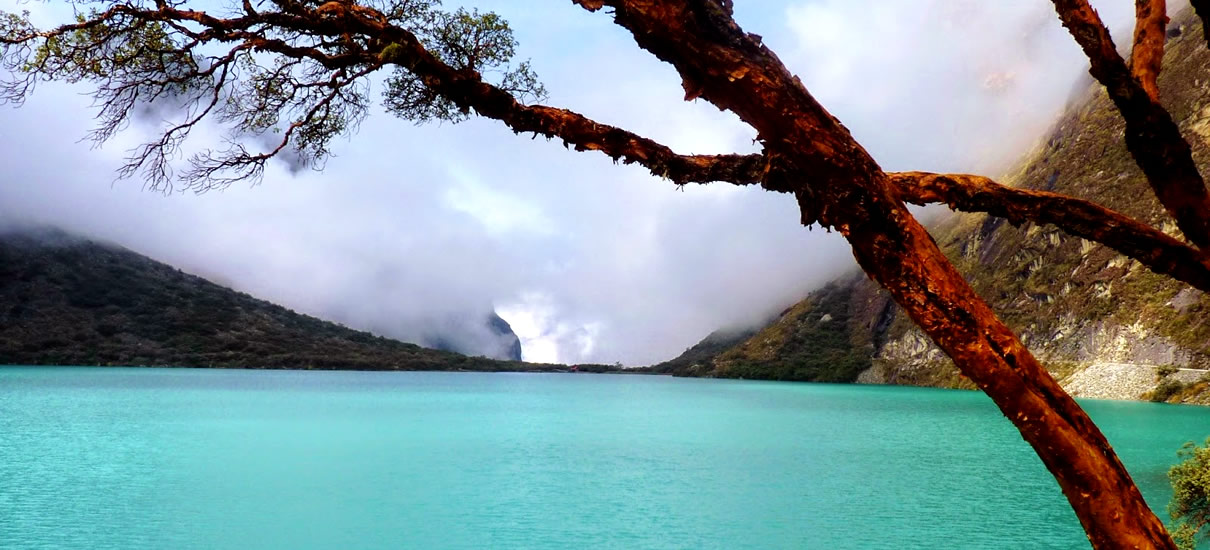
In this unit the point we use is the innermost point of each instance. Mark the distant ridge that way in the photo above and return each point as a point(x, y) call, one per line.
point(68, 300)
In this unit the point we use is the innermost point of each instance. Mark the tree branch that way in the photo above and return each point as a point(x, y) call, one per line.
point(386, 44)
point(808, 152)
point(1147, 54)
point(1152, 137)
point(838, 183)
point(1202, 8)
point(1160, 252)
point(467, 89)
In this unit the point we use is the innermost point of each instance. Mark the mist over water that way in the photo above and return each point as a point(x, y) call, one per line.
point(589, 261)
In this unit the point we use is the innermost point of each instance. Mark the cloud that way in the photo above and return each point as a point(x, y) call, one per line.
point(499, 213)
point(588, 260)
point(942, 85)
point(545, 337)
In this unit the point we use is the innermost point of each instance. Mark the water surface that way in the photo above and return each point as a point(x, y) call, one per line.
point(107, 458)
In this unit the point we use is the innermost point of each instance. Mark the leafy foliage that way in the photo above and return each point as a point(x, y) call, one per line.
point(1166, 389)
point(284, 82)
point(467, 41)
point(1190, 505)
point(1164, 371)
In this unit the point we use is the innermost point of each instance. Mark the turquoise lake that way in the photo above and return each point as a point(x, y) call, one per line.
point(108, 458)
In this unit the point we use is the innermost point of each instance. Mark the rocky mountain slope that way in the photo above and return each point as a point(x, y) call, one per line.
point(1104, 324)
point(471, 334)
point(66, 300)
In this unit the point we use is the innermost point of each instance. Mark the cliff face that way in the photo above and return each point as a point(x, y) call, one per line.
point(471, 334)
point(1103, 324)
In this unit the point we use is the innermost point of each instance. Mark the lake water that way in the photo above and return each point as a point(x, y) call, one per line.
point(103, 458)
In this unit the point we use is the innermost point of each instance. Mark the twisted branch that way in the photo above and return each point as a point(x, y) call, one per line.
point(1152, 137)
point(1160, 252)
point(838, 183)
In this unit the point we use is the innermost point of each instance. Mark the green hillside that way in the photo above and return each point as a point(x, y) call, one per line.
point(66, 300)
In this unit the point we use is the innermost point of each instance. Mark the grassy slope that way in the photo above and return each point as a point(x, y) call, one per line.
point(828, 337)
point(70, 301)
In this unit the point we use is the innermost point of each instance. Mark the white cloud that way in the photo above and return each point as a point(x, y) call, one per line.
point(498, 212)
point(546, 336)
point(588, 260)
point(943, 85)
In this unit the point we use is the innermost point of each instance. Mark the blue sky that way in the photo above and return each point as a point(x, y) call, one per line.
point(589, 261)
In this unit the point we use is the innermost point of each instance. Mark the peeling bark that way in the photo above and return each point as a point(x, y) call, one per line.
point(1152, 137)
point(810, 154)
point(839, 184)
point(1153, 248)
point(1147, 54)
point(468, 90)
point(393, 45)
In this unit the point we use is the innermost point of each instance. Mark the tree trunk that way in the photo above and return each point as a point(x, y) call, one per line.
point(838, 184)
point(897, 251)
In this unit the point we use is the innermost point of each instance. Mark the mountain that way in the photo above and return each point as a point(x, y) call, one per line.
point(1102, 323)
point(471, 334)
point(67, 300)
point(691, 361)
point(509, 340)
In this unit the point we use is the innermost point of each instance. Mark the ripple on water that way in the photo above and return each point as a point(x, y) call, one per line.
point(158, 458)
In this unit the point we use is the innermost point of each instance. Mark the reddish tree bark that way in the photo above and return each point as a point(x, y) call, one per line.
point(1147, 54)
point(468, 90)
point(1153, 248)
point(840, 185)
point(1152, 137)
point(836, 183)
